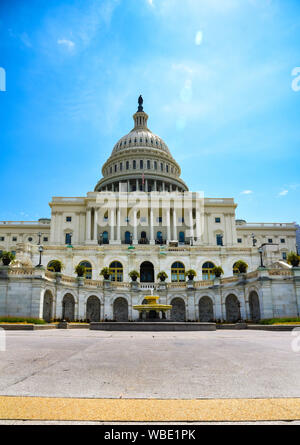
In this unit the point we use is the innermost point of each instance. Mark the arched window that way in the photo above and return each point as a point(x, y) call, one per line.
point(88, 269)
point(50, 266)
point(207, 271)
point(177, 271)
point(116, 271)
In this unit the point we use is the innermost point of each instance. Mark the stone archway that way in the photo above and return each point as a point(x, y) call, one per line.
point(68, 308)
point(48, 306)
point(93, 308)
point(233, 313)
point(120, 309)
point(178, 309)
point(147, 272)
point(254, 306)
point(206, 309)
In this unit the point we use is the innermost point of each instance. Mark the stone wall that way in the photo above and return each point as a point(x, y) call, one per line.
point(34, 292)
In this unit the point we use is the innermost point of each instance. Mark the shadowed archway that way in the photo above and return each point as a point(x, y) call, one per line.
point(233, 313)
point(120, 309)
point(178, 309)
point(93, 308)
point(206, 309)
point(254, 306)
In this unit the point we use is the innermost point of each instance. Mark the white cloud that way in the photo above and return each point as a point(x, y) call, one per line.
point(283, 193)
point(150, 2)
point(247, 192)
point(68, 43)
point(198, 38)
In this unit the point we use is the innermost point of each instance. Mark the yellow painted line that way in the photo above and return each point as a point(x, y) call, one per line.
point(143, 410)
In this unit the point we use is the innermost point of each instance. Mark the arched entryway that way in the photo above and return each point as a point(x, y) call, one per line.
point(206, 309)
point(120, 309)
point(93, 308)
point(68, 308)
point(47, 306)
point(178, 309)
point(254, 306)
point(233, 313)
point(146, 272)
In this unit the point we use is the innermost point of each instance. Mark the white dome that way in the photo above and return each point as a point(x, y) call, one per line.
point(140, 138)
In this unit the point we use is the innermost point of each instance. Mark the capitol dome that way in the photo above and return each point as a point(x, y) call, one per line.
point(141, 161)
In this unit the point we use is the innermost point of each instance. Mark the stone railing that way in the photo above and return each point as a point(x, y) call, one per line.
point(285, 273)
point(22, 271)
point(204, 283)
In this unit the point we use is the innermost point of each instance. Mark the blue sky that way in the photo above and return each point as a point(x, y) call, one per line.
point(216, 77)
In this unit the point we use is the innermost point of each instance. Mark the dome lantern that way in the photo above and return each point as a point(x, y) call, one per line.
point(140, 117)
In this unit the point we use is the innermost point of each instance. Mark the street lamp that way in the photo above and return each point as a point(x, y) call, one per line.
point(261, 258)
point(40, 250)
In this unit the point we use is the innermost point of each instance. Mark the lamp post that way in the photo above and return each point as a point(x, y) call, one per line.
point(261, 258)
point(40, 250)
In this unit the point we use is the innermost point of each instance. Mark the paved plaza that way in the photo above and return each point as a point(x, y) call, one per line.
point(191, 365)
point(98, 376)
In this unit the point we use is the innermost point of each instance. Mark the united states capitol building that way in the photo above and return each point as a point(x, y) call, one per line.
point(141, 216)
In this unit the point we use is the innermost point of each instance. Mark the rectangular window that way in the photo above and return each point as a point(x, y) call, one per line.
point(162, 167)
point(14, 238)
point(127, 165)
point(45, 238)
point(219, 239)
point(159, 219)
point(155, 165)
point(134, 164)
point(282, 240)
point(167, 168)
point(68, 238)
point(217, 220)
point(2, 238)
point(239, 240)
point(110, 169)
point(115, 168)
point(284, 255)
point(141, 164)
point(68, 218)
point(270, 240)
point(121, 166)
point(148, 165)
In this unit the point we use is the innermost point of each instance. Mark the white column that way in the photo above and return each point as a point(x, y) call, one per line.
point(134, 240)
point(155, 185)
point(174, 224)
point(163, 186)
point(191, 223)
point(146, 185)
point(137, 185)
point(112, 224)
point(198, 227)
point(119, 225)
point(96, 224)
point(88, 224)
point(128, 186)
point(152, 241)
point(168, 225)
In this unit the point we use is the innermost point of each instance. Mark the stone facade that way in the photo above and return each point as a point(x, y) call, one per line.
point(35, 292)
